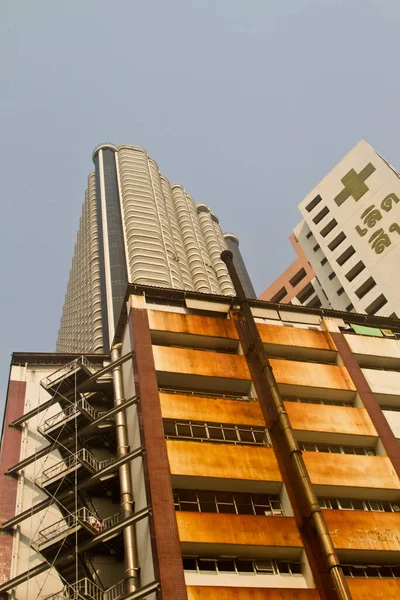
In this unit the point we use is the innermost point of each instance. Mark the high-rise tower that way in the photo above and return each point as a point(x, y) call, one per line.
point(136, 227)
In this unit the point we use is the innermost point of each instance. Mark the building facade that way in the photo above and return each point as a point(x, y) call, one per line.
point(350, 234)
point(137, 228)
point(154, 470)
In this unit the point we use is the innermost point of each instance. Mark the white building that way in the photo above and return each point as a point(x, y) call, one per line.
point(350, 234)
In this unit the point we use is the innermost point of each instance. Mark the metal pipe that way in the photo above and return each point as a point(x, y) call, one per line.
point(336, 586)
point(130, 543)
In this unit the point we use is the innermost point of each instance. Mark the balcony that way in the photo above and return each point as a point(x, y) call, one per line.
point(60, 477)
point(64, 380)
point(85, 589)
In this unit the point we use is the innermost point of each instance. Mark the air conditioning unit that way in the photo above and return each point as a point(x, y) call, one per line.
point(370, 453)
point(396, 507)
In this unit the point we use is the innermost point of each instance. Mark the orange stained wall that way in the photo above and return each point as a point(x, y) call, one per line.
point(252, 463)
point(200, 362)
point(217, 410)
point(193, 324)
point(333, 419)
point(364, 530)
point(361, 589)
point(351, 470)
point(295, 336)
point(292, 372)
point(209, 528)
point(241, 593)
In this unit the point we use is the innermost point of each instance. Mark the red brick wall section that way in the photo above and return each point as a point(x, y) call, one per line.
point(164, 529)
point(9, 456)
point(371, 404)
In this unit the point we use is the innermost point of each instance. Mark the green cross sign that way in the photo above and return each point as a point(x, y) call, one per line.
point(354, 184)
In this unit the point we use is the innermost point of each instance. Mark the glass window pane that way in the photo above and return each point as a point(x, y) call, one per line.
point(396, 571)
point(385, 572)
point(296, 568)
point(208, 507)
point(230, 434)
point(226, 566)
point(189, 564)
point(189, 507)
point(215, 433)
point(244, 566)
point(246, 435)
point(188, 495)
point(226, 508)
point(183, 430)
point(308, 447)
point(335, 450)
point(199, 431)
point(376, 506)
point(347, 571)
point(169, 428)
point(323, 448)
point(358, 504)
point(224, 497)
point(260, 437)
point(372, 572)
point(206, 565)
point(283, 567)
point(345, 504)
point(264, 566)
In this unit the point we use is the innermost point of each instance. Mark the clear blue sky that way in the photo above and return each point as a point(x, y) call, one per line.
point(247, 103)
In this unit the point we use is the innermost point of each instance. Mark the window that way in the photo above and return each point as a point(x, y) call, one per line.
point(345, 256)
point(313, 203)
point(340, 291)
point(309, 234)
point(314, 303)
point(365, 287)
point(279, 295)
point(324, 261)
point(349, 307)
point(318, 401)
point(357, 504)
point(216, 432)
point(336, 449)
point(321, 215)
point(331, 275)
point(316, 248)
point(373, 571)
point(237, 503)
point(297, 277)
point(290, 568)
point(376, 305)
point(328, 228)
point(356, 270)
point(337, 241)
point(305, 293)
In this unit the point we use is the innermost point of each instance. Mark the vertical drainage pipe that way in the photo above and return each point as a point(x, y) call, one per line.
point(337, 583)
point(132, 569)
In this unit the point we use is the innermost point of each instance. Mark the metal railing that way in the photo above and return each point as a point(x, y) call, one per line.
point(82, 457)
point(82, 589)
point(69, 412)
point(81, 517)
point(116, 591)
point(66, 370)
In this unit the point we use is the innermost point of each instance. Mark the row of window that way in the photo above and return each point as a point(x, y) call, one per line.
point(319, 401)
point(242, 565)
point(216, 432)
point(245, 566)
point(227, 502)
point(356, 504)
point(336, 449)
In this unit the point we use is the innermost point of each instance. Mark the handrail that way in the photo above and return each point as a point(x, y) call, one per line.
point(66, 370)
point(72, 409)
point(84, 588)
point(116, 591)
point(80, 457)
point(82, 515)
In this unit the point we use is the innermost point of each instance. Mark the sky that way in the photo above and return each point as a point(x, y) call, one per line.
point(247, 103)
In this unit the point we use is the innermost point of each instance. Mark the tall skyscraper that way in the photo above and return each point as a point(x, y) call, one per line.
point(350, 235)
point(136, 227)
point(223, 448)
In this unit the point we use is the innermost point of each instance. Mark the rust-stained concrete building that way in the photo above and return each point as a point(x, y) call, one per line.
point(150, 472)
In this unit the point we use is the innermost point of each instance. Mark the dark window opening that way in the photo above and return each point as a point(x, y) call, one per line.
point(279, 295)
point(297, 277)
point(305, 293)
point(356, 270)
point(324, 261)
point(365, 287)
point(313, 203)
point(321, 215)
point(317, 247)
point(337, 241)
point(376, 305)
point(315, 303)
point(340, 291)
point(345, 256)
point(309, 234)
point(328, 228)
point(331, 275)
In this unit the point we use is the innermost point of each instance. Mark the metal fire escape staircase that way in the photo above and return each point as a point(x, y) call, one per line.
point(68, 482)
